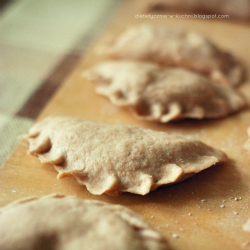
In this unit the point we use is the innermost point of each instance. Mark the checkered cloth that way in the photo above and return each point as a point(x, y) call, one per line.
point(40, 43)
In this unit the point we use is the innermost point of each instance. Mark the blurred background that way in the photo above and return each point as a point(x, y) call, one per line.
point(40, 43)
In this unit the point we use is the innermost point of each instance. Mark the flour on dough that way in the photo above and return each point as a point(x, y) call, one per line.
point(163, 94)
point(118, 158)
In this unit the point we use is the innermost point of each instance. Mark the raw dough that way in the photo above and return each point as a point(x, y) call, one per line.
point(175, 47)
point(58, 222)
point(247, 144)
point(163, 94)
point(246, 226)
point(117, 158)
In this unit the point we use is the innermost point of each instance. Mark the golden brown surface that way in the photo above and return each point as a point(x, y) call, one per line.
point(193, 209)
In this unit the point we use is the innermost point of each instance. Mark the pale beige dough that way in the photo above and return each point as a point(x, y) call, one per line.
point(163, 94)
point(236, 9)
point(58, 222)
point(175, 47)
point(117, 158)
point(247, 144)
point(246, 226)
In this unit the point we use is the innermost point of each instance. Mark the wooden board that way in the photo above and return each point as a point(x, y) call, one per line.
point(192, 209)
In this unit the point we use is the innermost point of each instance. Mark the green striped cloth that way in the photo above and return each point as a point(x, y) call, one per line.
point(40, 43)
